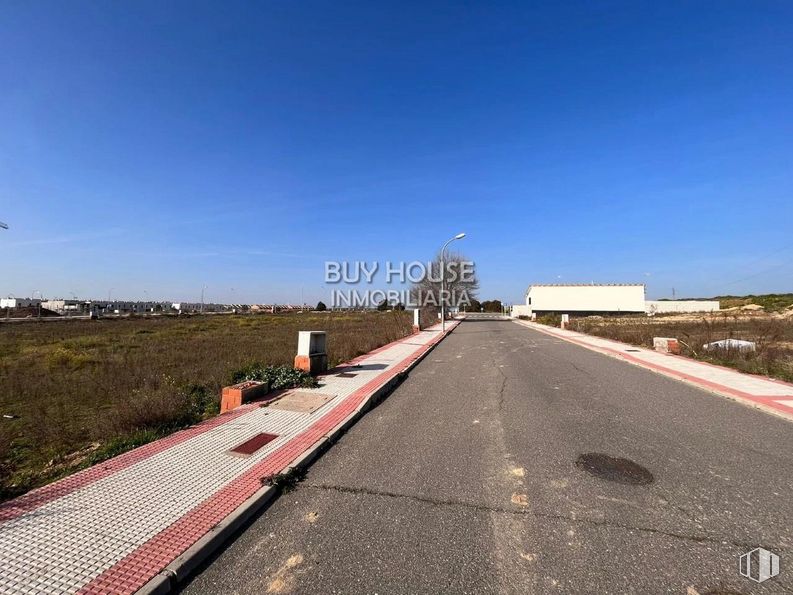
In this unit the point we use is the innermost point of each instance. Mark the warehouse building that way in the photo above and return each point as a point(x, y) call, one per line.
point(585, 300)
point(604, 299)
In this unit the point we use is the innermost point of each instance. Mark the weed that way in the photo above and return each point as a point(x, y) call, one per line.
point(285, 481)
point(550, 319)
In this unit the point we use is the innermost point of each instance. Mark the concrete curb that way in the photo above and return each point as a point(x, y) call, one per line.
point(183, 566)
point(746, 401)
point(159, 585)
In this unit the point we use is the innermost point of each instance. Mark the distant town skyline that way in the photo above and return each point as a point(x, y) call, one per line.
point(153, 149)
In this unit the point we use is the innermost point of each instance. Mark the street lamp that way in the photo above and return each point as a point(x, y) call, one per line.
point(459, 236)
point(3, 225)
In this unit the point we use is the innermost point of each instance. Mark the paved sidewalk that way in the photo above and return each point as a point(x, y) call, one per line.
point(142, 519)
point(774, 396)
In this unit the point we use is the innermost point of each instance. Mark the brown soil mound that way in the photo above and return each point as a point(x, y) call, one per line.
point(27, 312)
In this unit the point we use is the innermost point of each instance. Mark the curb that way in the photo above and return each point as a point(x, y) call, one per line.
point(745, 399)
point(183, 566)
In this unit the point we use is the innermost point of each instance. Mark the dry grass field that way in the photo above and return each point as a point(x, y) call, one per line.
point(772, 334)
point(82, 391)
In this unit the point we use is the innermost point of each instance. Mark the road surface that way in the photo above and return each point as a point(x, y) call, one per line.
point(465, 481)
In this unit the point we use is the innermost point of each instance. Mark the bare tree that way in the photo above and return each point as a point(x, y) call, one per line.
point(460, 283)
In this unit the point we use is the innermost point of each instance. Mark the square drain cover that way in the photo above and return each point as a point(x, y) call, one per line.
point(346, 375)
point(302, 401)
point(251, 445)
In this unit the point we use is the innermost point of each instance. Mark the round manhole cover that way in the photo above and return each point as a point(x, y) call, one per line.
point(614, 469)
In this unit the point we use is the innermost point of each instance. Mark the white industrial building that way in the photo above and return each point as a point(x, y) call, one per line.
point(12, 302)
point(589, 299)
point(585, 299)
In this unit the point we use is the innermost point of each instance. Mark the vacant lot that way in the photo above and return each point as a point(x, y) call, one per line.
point(773, 336)
point(81, 391)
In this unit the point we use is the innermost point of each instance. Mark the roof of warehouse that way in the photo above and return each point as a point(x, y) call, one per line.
point(587, 285)
point(583, 285)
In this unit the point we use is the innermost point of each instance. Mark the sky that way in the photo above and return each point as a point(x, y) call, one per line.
point(149, 149)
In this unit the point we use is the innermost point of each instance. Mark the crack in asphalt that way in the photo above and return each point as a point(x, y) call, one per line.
point(501, 392)
point(503, 385)
point(581, 369)
point(536, 514)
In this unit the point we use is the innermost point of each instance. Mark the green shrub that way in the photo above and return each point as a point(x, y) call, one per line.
point(278, 377)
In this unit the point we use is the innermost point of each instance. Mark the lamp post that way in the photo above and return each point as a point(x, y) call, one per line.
point(459, 236)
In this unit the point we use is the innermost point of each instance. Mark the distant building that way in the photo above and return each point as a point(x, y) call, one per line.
point(65, 306)
point(10, 302)
point(681, 306)
point(585, 299)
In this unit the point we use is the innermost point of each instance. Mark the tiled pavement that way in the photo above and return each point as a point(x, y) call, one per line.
point(115, 526)
point(771, 395)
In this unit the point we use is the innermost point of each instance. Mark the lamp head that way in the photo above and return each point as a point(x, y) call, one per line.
point(459, 236)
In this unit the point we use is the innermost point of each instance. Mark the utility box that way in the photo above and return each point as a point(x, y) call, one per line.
point(311, 356)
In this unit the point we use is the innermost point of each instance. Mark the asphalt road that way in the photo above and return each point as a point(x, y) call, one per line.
point(464, 481)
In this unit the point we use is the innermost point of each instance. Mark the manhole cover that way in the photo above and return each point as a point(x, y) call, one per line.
point(634, 350)
point(614, 469)
point(346, 375)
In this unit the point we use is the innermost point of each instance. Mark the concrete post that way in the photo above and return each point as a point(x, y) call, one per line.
point(565, 320)
point(416, 320)
point(311, 355)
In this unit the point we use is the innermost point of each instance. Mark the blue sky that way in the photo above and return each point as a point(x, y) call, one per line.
point(152, 148)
